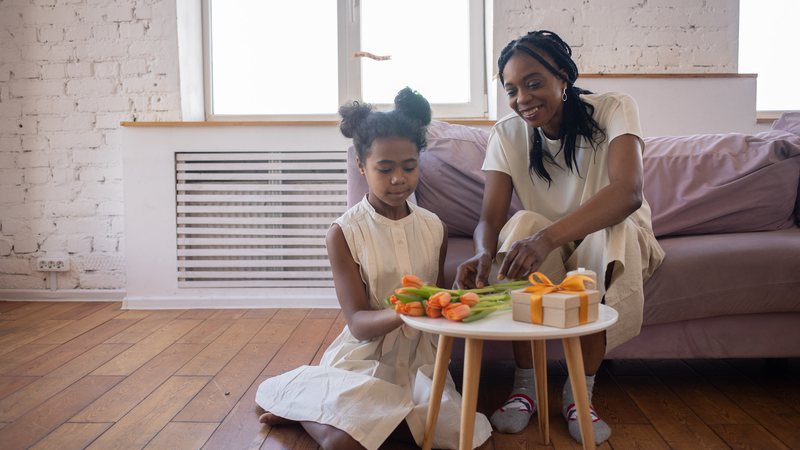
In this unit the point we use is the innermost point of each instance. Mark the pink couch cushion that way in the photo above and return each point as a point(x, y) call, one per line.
point(451, 180)
point(722, 183)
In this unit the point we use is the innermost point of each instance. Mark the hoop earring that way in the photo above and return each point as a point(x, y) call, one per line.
point(564, 95)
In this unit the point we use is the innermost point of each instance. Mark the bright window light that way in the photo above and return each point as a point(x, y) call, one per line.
point(769, 32)
point(427, 41)
point(273, 57)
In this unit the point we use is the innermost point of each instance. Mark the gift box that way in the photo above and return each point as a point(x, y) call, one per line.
point(566, 305)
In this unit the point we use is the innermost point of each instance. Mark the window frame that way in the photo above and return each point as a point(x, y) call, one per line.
point(349, 70)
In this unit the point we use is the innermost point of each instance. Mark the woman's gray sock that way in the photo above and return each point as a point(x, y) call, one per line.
point(601, 429)
point(516, 412)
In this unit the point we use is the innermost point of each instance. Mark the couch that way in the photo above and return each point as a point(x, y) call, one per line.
point(726, 209)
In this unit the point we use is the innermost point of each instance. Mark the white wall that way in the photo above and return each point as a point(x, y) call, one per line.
point(71, 71)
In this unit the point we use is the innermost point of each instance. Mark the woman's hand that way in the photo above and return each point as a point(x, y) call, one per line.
point(474, 272)
point(525, 256)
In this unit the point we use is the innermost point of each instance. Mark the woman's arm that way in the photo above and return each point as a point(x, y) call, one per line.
point(494, 210)
point(442, 257)
point(363, 322)
point(610, 206)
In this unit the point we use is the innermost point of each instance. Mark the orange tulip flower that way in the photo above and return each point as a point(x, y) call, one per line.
point(410, 308)
point(412, 281)
point(456, 311)
point(469, 299)
point(440, 299)
point(432, 311)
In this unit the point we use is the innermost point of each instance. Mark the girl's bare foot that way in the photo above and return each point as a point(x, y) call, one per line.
point(271, 419)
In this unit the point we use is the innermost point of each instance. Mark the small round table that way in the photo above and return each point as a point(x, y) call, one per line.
point(500, 327)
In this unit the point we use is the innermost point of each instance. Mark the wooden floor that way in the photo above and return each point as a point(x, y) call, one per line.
point(88, 375)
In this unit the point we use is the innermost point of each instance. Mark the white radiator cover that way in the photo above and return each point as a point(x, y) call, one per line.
point(231, 216)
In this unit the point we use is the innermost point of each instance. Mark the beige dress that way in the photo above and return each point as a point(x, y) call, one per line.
point(629, 246)
point(367, 388)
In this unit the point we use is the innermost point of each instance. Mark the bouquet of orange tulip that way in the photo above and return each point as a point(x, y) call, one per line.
point(416, 298)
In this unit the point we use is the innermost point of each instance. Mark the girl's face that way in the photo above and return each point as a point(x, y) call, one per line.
point(534, 93)
point(391, 170)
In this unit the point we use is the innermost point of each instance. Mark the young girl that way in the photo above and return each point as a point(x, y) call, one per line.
point(575, 160)
point(375, 378)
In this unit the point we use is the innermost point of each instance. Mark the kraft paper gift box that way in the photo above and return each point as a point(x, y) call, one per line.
point(562, 308)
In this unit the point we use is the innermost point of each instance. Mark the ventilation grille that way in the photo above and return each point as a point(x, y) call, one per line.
point(253, 220)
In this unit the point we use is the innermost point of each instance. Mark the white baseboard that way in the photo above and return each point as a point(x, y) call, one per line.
point(64, 295)
point(220, 302)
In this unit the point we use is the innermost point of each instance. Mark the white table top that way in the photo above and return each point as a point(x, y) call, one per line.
point(499, 326)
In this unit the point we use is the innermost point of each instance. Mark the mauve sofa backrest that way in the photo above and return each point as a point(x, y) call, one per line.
point(722, 183)
point(699, 184)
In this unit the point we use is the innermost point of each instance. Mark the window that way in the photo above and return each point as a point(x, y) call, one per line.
point(768, 36)
point(301, 60)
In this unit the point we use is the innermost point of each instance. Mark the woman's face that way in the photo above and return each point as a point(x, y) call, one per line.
point(391, 170)
point(534, 93)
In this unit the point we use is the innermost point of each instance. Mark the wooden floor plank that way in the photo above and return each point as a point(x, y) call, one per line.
point(141, 352)
point(711, 405)
point(613, 404)
point(6, 306)
point(207, 331)
point(36, 393)
point(48, 416)
point(126, 395)
point(198, 314)
point(773, 414)
point(301, 346)
point(335, 330)
point(80, 326)
point(748, 436)
point(680, 427)
point(214, 402)
point(63, 353)
point(72, 436)
point(145, 327)
point(30, 333)
point(262, 313)
point(214, 357)
point(635, 436)
point(140, 425)
point(24, 311)
point(81, 310)
point(13, 359)
point(9, 385)
point(240, 429)
point(648, 404)
point(184, 436)
point(228, 314)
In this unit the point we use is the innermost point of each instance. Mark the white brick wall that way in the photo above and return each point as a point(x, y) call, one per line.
point(71, 71)
point(651, 36)
point(67, 78)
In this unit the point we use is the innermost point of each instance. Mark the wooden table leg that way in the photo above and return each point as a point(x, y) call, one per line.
point(540, 371)
point(577, 378)
point(473, 350)
point(443, 352)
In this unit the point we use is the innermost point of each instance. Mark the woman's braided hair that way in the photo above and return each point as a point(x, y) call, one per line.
point(577, 120)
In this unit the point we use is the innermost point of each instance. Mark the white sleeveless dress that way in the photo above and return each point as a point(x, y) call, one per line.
point(367, 388)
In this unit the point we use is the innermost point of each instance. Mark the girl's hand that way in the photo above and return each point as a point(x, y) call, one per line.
point(525, 256)
point(474, 272)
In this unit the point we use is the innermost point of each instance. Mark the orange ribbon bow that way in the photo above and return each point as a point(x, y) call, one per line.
point(573, 284)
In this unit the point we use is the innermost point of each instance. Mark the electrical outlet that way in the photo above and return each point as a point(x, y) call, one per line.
point(52, 264)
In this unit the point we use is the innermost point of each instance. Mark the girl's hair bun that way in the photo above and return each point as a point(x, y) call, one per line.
point(413, 105)
point(353, 115)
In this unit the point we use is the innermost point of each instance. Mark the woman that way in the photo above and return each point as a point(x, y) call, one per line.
point(575, 161)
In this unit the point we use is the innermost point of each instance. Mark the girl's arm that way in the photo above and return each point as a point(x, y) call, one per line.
point(610, 206)
point(364, 323)
point(494, 210)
